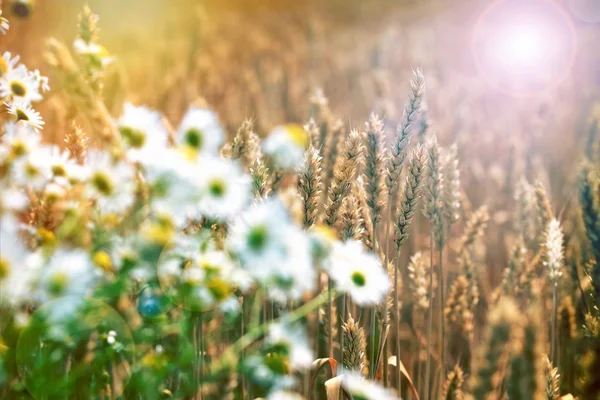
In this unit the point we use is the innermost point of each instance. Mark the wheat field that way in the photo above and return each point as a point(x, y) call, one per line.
point(281, 200)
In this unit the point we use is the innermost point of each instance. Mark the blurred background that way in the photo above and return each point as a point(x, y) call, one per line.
point(517, 103)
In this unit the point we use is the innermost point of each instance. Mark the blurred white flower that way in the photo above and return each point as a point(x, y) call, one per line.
point(224, 186)
point(357, 272)
point(18, 267)
point(359, 388)
point(32, 170)
point(273, 250)
point(142, 130)
point(200, 129)
point(4, 26)
point(293, 339)
point(24, 113)
point(284, 395)
point(20, 138)
point(286, 145)
point(20, 84)
point(68, 273)
point(110, 183)
point(7, 62)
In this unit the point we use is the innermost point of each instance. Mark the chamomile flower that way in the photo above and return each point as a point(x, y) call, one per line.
point(24, 113)
point(359, 388)
point(18, 267)
point(296, 275)
point(284, 395)
point(142, 130)
point(201, 130)
point(7, 62)
point(173, 189)
point(31, 170)
point(294, 344)
point(20, 139)
point(286, 145)
point(12, 199)
point(60, 162)
point(68, 273)
point(3, 24)
point(19, 83)
point(225, 188)
point(358, 273)
point(110, 183)
point(257, 239)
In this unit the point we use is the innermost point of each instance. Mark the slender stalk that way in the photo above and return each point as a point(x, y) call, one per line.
point(397, 318)
point(329, 317)
point(231, 354)
point(341, 331)
point(430, 320)
point(553, 333)
point(386, 305)
point(372, 363)
point(442, 340)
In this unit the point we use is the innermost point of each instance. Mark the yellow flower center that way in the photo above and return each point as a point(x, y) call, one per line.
point(298, 135)
point(102, 260)
point(18, 148)
point(3, 66)
point(257, 238)
point(58, 283)
point(59, 170)
point(217, 188)
point(135, 138)
point(18, 88)
point(4, 268)
point(21, 115)
point(46, 236)
point(359, 279)
point(194, 138)
point(102, 183)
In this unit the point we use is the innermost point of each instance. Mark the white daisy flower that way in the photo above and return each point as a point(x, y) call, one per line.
point(18, 267)
point(257, 238)
point(7, 62)
point(68, 273)
point(296, 275)
point(32, 170)
point(357, 272)
point(84, 48)
point(293, 339)
point(4, 26)
point(174, 190)
point(12, 199)
point(24, 113)
point(360, 388)
point(286, 145)
point(42, 80)
point(19, 83)
point(200, 129)
point(142, 130)
point(225, 188)
point(110, 183)
point(284, 395)
point(20, 138)
point(60, 162)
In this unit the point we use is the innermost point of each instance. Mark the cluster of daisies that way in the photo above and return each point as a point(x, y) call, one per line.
point(167, 209)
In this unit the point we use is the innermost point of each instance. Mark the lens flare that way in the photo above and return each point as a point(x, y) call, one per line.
point(523, 47)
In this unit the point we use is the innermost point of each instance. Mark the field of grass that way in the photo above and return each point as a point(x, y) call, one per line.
point(282, 200)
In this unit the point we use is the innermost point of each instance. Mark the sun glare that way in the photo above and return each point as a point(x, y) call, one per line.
point(523, 47)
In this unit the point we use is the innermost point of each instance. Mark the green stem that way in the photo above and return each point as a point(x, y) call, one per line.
point(231, 355)
point(372, 365)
